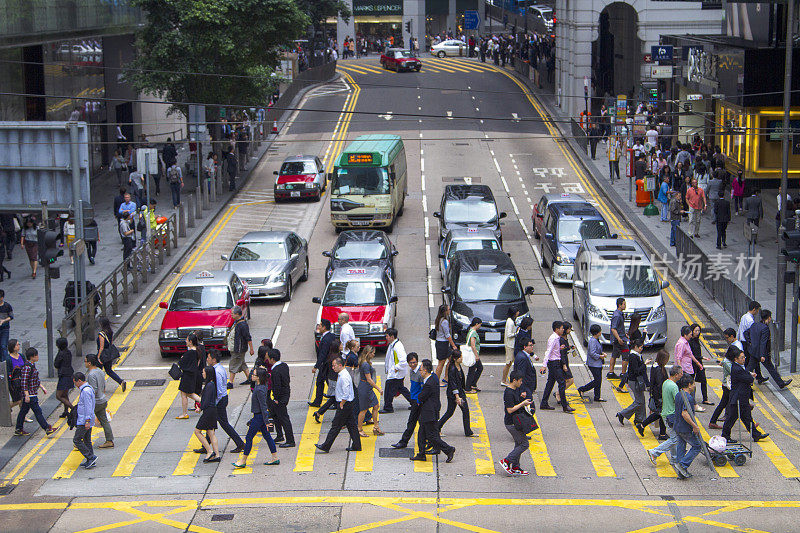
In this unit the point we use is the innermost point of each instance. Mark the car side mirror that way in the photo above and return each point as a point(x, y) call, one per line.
point(548, 236)
point(316, 300)
point(326, 253)
point(437, 214)
point(441, 256)
point(665, 284)
point(275, 172)
point(529, 290)
point(540, 215)
point(224, 257)
point(615, 236)
point(393, 299)
point(394, 253)
point(578, 284)
point(163, 305)
point(503, 214)
point(240, 302)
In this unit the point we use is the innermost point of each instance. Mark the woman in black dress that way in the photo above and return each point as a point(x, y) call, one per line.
point(566, 348)
point(524, 333)
point(201, 364)
point(188, 364)
point(699, 373)
point(367, 399)
point(63, 363)
point(208, 420)
point(456, 384)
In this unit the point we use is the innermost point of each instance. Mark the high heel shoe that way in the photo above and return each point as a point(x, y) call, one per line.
point(377, 431)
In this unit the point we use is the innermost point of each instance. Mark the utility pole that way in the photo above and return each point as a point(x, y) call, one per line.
point(48, 302)
point(77, 208)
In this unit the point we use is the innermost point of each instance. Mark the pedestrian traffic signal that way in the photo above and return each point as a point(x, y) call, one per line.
point(408, 26)
point(791, 247)
point(48, 247)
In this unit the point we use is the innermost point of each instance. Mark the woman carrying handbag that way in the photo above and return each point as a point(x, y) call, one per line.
point(455, 393)
point(208, 420)
point(105, 344)
point(188, 365)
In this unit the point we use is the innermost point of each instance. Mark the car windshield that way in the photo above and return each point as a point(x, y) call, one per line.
point(298, 167)
point(361, 250)
point(201, 298)
point(472, 244)
point(258, 251)
point(578, 230)
point(488, 286)
point(471, 210)
point(345, 293)
point(362, 180)
point(626, 280)
point(402, 53)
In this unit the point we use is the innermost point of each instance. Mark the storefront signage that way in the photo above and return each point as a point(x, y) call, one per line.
point(661, 52)
point(694, 97)
point(377, 7)
point(622, 109)
point(661, 71)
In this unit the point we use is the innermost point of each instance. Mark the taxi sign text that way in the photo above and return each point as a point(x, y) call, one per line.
point(356, 271)
point(359, 158)
point(205, 274)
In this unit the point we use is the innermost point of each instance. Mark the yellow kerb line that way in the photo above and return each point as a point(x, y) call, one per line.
point(365, 458)
point(775, 455)
point(484, 463)
point(146, 432)
point(74, 459)
point(189, 459)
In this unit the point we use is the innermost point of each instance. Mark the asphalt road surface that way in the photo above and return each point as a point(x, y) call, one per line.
point(462, 122)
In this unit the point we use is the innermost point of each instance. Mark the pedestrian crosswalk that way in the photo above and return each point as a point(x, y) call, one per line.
point(165, 446)
point(429, 64)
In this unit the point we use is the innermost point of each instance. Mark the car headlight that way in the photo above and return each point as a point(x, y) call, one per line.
point(219, 332)
point(382, 216)
point(377, 328)
point(564, 259)
point(310, 185)
point(657, 313)
point(338, 217)
point(279, 278)
point(280, 186)
point(463, 319)
point(169, 334)
point(595, 312)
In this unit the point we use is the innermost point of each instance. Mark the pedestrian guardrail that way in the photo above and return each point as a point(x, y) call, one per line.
point(118, 288)
point(580, 135)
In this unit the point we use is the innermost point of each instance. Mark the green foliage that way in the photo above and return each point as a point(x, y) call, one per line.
point(319, 10)
point(239, 38)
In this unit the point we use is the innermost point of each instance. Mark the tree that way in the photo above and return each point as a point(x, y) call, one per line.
point(319, 10)
point(186, 45)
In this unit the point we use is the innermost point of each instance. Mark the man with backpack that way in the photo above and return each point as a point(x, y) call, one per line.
point(30, 390)
point(175, 180)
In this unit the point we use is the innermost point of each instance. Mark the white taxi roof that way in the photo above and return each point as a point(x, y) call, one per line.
point(207, 278)
point(357, 274)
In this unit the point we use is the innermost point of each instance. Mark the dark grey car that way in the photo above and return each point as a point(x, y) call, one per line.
point(270, 262)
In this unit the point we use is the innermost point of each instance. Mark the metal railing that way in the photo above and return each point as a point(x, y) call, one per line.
point(722, 289)
point(118, 288)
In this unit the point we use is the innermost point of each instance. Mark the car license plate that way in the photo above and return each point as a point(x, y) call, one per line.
point(361, 222)
point(255, 292)
point(492, 336)
point(295, 194)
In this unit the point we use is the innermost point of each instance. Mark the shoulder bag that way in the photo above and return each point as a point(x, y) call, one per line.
point(467, 356)
point(110, 352)
point(175, 371)
point(524, 421)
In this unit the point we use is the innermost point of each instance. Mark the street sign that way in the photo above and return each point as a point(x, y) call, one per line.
point(661, 52)
point(142, 156)
point(648, 58)
point(197, 119)
point(661, 71)
point(694, 97)
point(471, 20)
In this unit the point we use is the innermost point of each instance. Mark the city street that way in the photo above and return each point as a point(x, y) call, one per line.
point(462, 121)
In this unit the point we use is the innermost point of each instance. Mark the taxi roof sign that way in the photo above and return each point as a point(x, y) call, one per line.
point(204, 274)
point(356, 271)
point(472, 230)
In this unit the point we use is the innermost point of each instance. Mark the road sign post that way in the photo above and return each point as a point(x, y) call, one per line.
point(48, 304)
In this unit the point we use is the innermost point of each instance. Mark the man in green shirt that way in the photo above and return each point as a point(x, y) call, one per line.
point(668, 392)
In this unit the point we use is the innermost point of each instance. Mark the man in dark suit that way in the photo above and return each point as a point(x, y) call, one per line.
point(345, 402)
point(522, 364)
point(429, 406)
point(739, 402)
point(722, 214)
point(323, 350)
point(759, 344)
point(279, 373)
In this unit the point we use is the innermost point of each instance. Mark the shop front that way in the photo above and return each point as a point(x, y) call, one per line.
point(379, 20)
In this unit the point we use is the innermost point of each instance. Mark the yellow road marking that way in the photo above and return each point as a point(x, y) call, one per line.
point(775, 455)
point(484, 464)
point(146, 432)
point(250, 458)
point(188, 461)
point(43, 441)
point(304, 462)
point(40, 451)
point(74, 459)
point(420, 466)
point(365, 458)
point(783, 425)
point(541, 459)
point(591, 440)
point(359, 70)
point(648, 441)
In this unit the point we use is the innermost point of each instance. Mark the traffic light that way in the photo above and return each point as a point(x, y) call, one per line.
point(48, 247)
point(408, 26)
point(791, 248)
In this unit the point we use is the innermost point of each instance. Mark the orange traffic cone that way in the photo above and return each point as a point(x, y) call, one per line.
point(275, 127)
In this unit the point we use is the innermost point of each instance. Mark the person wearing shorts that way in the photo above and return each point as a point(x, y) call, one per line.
point(241, 342)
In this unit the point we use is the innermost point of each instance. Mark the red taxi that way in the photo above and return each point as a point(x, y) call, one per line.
point(368, 295)
point(202, 301)
point(398, 59)
point(300, 176)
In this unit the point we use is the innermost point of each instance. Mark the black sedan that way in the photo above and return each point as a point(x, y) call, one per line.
point(361, 248)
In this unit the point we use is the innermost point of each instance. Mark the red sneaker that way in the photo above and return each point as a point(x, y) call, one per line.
point(506, 467)
point(519, 471)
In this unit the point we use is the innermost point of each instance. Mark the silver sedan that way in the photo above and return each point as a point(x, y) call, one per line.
point(269, 262)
